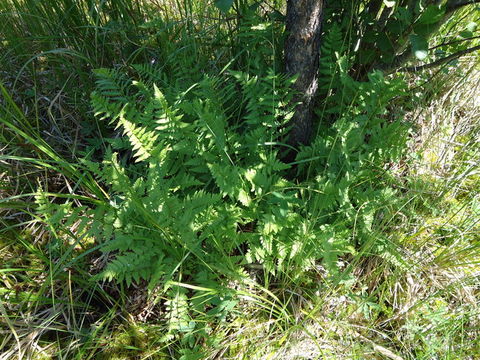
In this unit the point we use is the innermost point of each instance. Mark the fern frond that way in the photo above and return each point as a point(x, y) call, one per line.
point(132, 266)
point(142, 140)
point(112, 84)
point(331, 51)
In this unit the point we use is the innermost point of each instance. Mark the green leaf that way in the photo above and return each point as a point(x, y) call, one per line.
point(466, 34)
point(419, 46)
point(244, 198)
point(404, 16)
point(223, 5)
point(472, 26)
point(469, 30)
point(395, 26)
point(431, 15)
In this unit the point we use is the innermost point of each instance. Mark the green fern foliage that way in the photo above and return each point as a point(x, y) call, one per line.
point(197, 193)
point(207, 167)
point(331, 50)
point(198, 173)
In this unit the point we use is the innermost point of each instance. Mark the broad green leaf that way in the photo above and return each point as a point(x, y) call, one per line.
point(431, 15)
point(404, 15)
point(472, 26)
point(395, 26)
point(224, 5)
point(419, 46)
point(385, 45)
point(466, 34)
point(469, 30)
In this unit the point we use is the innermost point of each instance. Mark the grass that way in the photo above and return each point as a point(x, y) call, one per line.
point(418, 299)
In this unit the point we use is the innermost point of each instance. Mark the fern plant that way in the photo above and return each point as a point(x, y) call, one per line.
point(349, 161)
point(197, 192)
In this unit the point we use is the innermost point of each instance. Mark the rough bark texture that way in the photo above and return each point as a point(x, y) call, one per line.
point(302, 54)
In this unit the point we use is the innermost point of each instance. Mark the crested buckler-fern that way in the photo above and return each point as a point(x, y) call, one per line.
point(193, 166)
point(204, 181)
point(205, 176)
point(228, 179)
point(196, 184)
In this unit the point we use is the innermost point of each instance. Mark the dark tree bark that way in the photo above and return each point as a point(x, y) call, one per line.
point(302, 54)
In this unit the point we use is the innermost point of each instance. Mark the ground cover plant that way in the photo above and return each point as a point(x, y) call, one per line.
point(154, 205)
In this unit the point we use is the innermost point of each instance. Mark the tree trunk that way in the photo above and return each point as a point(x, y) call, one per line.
point(302, 54)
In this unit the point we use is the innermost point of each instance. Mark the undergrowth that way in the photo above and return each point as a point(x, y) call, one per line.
point(168, 224)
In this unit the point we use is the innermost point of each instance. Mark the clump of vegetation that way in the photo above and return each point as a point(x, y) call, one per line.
point(154, 207)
